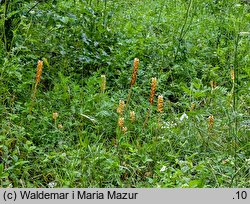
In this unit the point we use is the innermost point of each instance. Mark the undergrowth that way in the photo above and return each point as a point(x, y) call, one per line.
point(125, 94)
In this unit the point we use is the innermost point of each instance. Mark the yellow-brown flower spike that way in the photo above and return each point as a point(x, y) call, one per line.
point(232, 74)
point(120, 108)
point(160, 104)
point(135, 70)
point(153, 89)
point(55, 115)
point(210, 122)
point(39, 71)
point(121, 122)
point(124, 129)
point(132, 116)
point(193, 106)
point(103, 83)
point(38, 78)
point(213, 84)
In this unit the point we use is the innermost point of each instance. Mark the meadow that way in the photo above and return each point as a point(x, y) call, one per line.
point(124, 93)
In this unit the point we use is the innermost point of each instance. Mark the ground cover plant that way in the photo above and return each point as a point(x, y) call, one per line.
point(108, 93)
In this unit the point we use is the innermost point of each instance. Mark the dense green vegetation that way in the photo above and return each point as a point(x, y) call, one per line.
point(62, 130)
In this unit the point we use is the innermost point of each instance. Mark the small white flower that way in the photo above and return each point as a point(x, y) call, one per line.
point(167, 125)
point(244, 33)
point(184, 116)
point(51, 184)
point(163, 168)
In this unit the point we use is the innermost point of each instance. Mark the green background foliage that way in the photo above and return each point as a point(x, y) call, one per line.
point(186, 44)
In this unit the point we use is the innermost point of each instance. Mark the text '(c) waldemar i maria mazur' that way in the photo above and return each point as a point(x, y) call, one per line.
point(77, 195)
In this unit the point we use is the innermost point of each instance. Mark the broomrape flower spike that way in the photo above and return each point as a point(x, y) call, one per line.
point(120, 108)
point(152, 92)
point(133, 79)
point(210, 121)
point(103, 83)
point(121, 122)
point(39, 71)
point(132, 116)
point(135, 70)
point(151, 99)
point(38, 78)
point(55, 116)
point(232, 75)
point(160, 104)
point(124, 129)
point(213, 84)
point(193, 106)
point(38, 75)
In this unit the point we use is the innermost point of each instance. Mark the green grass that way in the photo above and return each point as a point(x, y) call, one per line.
point(184, 44)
